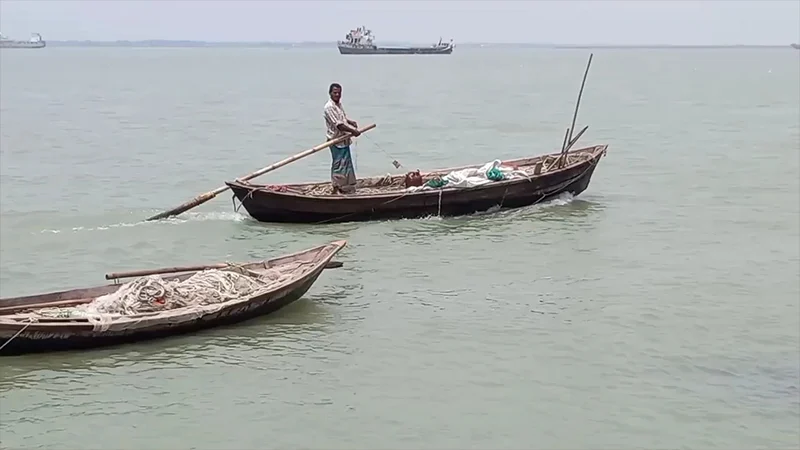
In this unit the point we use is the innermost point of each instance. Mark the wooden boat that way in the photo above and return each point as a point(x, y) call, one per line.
point(387, 198)
point(22, 331)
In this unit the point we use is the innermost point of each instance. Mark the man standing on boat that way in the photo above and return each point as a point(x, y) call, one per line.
point(343, 174)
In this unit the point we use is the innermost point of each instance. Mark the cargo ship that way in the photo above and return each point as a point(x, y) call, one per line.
point(35, 41)
point(360, 42)
point(796, 46)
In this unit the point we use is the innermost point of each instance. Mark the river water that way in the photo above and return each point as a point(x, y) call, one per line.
point(659, 309)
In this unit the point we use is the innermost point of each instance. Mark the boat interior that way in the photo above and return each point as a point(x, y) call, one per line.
point(532, 166)
point(278, 271)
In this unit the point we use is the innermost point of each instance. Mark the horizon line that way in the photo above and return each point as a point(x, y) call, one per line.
point(187, 42)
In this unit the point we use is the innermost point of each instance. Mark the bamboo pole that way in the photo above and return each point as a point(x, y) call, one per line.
point(146, 272)
point(580, 94)
point(570, 140)
point(203, 198)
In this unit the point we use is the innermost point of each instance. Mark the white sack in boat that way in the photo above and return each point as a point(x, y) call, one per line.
point(473, 177)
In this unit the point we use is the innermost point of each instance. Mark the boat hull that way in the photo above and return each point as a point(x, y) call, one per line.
point(22, 44)
point(40, 342)
point(347, 50)
point(267, 205)
point(39, 338)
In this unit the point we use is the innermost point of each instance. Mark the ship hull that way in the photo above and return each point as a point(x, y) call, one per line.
point(347, 50)
point(22, 44)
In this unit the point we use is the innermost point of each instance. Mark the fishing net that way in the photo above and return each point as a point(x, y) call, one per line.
point(154, 294)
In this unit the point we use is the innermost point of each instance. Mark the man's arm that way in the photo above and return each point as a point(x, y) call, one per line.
point(342, 123)
point(346, 127)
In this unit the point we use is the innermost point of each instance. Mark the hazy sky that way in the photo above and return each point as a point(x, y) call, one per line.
point(560, 22)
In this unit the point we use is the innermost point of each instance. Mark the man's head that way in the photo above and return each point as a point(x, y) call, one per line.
point(335, 91)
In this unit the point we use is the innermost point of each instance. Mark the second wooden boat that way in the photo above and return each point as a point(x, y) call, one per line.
point(137, 311)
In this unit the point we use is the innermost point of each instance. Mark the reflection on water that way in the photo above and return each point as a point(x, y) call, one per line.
point(565, 212)
point(334, 231)
point(564, 209)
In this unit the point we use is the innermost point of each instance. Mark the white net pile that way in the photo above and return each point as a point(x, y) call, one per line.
point(154, 294)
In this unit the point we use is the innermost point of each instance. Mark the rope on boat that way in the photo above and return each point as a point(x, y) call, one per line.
point(395, 162)
point(503, 199)
point(100, 322)
point(31, 320)
point(249, 195)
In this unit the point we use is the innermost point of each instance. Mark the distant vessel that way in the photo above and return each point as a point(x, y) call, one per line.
point(796, 46)
point(35, 41)
point(359, 42)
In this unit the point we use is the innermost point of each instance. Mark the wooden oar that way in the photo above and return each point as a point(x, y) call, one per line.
point(144, 273)
point(199, 200)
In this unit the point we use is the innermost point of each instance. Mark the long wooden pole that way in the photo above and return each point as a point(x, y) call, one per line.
point(562, 157)
point(144, 273)
point(564, 150)
point(566, 137)
point(200, 199)
point(580, 94)
point(569, 141)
